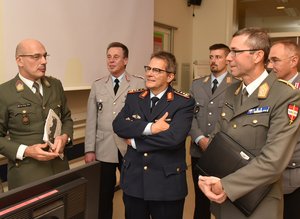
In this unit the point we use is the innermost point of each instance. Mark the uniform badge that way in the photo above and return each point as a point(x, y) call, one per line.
point(297, 85)
point(136, 116)
point(25, 118)
point(263, 109)
point(263, 91)
point(170, 96)
point(238, 89)
point(99, 105)
point(292, 112)
point(196, 108)
point(19, 85)
point(144, 94)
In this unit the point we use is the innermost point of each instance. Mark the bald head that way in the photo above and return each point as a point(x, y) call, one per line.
point(27, 46)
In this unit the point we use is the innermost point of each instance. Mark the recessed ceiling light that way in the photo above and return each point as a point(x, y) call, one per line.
point(280, 7)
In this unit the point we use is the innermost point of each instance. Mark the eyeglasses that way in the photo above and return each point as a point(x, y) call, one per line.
point(155, 70)
point(234, 52)
point(275, 60)
point(36, 56)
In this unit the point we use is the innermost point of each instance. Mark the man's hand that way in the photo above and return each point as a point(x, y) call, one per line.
point(160, 125)
point(211, 186)
point(203, 143)
point(36, 152)
point(59, 144)
point(89, 157)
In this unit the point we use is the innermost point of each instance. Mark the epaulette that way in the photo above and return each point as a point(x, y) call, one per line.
point(203, 77)
point(139, 90)
point(100, 78)
point(139, 76)
point(183, 94)
point(288, 83)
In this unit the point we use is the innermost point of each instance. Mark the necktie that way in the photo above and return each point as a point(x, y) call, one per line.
point(37, 91)
point(215, 82)
point(153, 101)
point(116, 87)
point(244, 96)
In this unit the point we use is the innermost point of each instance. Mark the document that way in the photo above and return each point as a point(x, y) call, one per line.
point(52, 129)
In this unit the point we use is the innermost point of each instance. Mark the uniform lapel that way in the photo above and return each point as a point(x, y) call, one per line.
point(109, 86)
point(224, 84)
point(123, 87)
point(207, 86)
point(46, 90)
point(144, 104)
point(161, 105)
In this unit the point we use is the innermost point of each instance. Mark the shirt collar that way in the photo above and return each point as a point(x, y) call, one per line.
point(219, 79)
point(28, 82)
point(293, 78)
point(255, 84)
point(120, 78)
point(158, 95)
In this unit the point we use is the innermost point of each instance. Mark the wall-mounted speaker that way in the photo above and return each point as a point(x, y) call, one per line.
point(194, 2)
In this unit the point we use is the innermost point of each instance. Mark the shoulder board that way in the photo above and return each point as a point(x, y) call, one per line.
point(183, 94)
point(287, 83)
point(138, 76)
point(204, 78)
point(100, 78)
point(136, 91)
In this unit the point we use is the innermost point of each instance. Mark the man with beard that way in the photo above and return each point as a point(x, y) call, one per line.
point(105, 101)
point(208, 92)
point(284, 59)
point(24, 105)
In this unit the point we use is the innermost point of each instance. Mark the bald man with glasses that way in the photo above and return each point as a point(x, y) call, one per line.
point(24, 105)
point(284, 60)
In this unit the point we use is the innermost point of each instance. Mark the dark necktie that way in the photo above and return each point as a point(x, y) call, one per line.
point(37, 91)
point(116, 87)
point(215, 82)
point(244, 96)
point(153, 101)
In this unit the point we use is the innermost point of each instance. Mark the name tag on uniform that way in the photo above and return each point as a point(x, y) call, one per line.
point(263, 109)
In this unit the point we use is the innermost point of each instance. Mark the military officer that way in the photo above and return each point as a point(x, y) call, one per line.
point(208, 92)
point(264, 119)
point(106, 99)
point(23, 111)
point(156, 122)
point(284, 59)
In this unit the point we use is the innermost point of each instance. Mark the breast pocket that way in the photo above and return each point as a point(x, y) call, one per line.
point(23, 116)
point(256, 127)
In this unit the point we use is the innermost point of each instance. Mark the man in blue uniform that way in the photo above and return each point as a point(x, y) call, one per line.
point(155, 121)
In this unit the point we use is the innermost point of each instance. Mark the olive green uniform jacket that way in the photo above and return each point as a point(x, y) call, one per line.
point(22, 120)
point(262, 125)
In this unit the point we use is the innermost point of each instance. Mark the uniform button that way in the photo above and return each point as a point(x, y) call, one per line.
point(114, 103)
point(210, 113)
point(293, 164)
point(254, 121)
point(223, 114)
point(178, 169)
point(145, 154)
point(234, 126)
point(212, 102)
point(24, 111)
point(44, 108)
point(114, 113)
point(17, 164)
point(145, 167)
point(209, 124)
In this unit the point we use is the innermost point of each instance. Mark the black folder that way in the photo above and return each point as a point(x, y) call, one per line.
point(224, 156)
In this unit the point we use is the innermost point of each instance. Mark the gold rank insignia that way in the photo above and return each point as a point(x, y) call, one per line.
point(45, 82)
point(144, 94)
point(238, 89)
point(206, 79)
point(19, 85)
point(228, 80)
point(263, 91)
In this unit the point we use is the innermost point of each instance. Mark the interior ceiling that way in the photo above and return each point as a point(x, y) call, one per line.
point(264, 13)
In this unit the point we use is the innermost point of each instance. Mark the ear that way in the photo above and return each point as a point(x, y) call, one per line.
point(170, 77)
point(19, 61)
point(294, 61)
point(258, 56)
point(125, 61)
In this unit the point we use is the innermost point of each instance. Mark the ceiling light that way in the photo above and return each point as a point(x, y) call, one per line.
point(280, 7)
